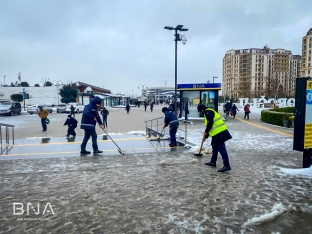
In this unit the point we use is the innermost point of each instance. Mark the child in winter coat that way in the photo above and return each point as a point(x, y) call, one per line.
point(71, 122)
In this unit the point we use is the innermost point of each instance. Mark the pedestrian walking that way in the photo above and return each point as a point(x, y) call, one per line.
point(145, 105)
point(186, 110)
point(104, 114)
point(234, 109)
point(228, 106)
point(152, 106)
point(216, 128)
point(128, 108)
point(171, 120)
point(43, 114)
point(72, 110)
point(171, 105)
point(247, 111)
point(71, 122)
point(90, 117)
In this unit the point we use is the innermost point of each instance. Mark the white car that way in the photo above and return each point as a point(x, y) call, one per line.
point(35, 108)
point(78, 107)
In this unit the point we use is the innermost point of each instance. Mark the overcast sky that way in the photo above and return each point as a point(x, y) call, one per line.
point(120, 44)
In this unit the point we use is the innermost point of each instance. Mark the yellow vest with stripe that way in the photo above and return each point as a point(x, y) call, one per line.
point(218, 123)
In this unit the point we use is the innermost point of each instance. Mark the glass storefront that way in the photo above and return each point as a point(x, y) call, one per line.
point(200, 93)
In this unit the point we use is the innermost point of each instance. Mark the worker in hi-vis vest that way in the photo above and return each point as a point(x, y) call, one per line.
point(216, 128)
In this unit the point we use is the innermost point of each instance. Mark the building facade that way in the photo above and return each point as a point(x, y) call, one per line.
point(254, 72)
point(306, 65)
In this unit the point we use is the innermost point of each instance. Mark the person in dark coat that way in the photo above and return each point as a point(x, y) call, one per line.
point(145, 105)
point(72, 110)
point(171, 120)
point(152, 106)
point(216, 128)
point(128, 108)
point(71, 122)
point(234, 109)
point(171, 105)
point(104, 114)
point(90, 117)
point(228, 106)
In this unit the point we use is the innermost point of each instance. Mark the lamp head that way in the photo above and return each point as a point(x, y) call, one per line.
point(168, 27)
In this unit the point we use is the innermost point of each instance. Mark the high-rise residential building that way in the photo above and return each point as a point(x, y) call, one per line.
point(256, 72)
point(306, 64)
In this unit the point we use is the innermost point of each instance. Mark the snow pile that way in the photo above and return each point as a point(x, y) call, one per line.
point(302, 171)
point(277, 210)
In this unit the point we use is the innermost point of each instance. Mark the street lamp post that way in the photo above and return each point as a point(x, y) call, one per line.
point(215, 77)
point(57, 84)
point(44, 80)
point(177, 38)
point(142, 87)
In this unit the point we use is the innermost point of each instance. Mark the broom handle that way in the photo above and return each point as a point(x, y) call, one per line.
point(201, 146)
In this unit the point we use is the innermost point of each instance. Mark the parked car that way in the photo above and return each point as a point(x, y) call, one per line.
point(10, 108)
point(61, 108)
point(78, 107)
point(35, 108)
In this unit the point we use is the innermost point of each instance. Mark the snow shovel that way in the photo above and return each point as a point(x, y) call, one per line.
point(199, 153)
point(119, 150)
point(158, 138)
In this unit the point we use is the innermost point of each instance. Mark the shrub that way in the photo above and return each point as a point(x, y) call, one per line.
point(276, 116)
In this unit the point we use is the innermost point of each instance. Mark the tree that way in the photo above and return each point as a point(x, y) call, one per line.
point(24, 84)
point(48, 83)
point(17, 97)
point(37, 85)
point(69, 93)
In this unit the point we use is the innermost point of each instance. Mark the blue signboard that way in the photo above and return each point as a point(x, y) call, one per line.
point(199, 86)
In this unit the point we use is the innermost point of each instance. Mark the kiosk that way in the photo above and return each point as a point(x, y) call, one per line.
point(200, 93)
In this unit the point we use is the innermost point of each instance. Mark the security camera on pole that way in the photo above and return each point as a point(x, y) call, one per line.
point(177, 38)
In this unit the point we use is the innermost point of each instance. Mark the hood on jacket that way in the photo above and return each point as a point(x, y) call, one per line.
point(95, 100)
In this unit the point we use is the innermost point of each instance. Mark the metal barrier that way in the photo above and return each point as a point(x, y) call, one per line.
point(152, 126)
point(7, 146)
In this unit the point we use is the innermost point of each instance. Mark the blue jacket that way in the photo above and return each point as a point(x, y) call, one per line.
point(89, 113)
point(170, 118)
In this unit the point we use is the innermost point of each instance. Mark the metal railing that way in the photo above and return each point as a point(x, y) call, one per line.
point(5, 130)
point(153, 126)
point(149, 124)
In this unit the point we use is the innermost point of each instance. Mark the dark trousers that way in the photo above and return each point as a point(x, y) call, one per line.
point(145, 108)
point(44, 124)
point(71, 131)
point(90, 133)
point(173, 132)
point(246, 115)
point(222, 150)
point(105, 121)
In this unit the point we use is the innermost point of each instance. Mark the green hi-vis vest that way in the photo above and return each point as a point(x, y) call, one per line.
point(218, 123)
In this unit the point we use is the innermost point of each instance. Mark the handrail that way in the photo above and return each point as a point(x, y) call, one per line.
point(153, 119)
point(7, 136)
point(151, 126)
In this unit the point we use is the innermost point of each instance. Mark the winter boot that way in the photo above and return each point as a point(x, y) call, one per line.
point(211, 164)
point(96, 149)
point(83, 150)
point(224, 169)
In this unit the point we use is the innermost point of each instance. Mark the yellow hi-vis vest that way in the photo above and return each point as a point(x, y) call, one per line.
point(218, 123)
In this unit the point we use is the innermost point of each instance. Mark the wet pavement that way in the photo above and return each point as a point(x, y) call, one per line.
point(155, 189)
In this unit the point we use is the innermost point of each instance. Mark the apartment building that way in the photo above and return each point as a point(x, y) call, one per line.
point(306, 65)
point(254, 72)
